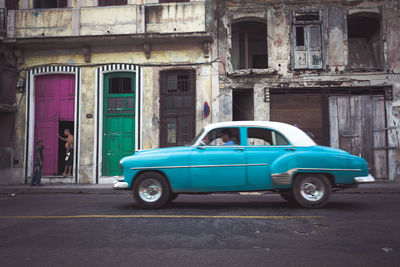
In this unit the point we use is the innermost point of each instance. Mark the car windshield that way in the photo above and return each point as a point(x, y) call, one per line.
point(197, 137)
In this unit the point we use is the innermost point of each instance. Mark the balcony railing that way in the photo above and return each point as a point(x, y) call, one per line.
point(3, 20)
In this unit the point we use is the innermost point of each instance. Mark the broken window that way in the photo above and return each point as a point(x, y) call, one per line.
point(364, 40)
point(51, 3)
point(307, 40)
point(112, 2)
point(249, 45)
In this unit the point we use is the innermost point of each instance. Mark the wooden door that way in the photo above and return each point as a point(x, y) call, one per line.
point(118, 120)
point(54, 100)
point(177, 110)
point(357, 125)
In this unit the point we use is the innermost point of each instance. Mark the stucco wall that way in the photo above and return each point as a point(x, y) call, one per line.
point(193, 53)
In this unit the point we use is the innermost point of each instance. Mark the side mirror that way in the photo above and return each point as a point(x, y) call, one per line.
point(201, 143)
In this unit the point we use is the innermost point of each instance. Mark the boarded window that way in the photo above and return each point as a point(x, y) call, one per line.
point(51, 3)
point(249, 45)
point(306, 40)
point(177, 114)
point(112, 2)
point(364, 39)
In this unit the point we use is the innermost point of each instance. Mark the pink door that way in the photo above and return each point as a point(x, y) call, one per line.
point(54, 101)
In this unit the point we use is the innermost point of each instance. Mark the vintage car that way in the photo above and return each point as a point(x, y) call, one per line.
point(243, 156)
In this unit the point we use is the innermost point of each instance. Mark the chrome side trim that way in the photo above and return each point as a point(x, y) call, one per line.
point(285, 178)
point(364, 179)
point(281, 178)
point(198, 166)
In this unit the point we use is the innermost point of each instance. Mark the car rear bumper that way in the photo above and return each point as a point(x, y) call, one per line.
point(364, 179)
point(120, 185)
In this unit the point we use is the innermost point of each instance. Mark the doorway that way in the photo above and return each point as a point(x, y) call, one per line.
point(118, 120)
point(54, 103)
point(63, 125)
point(358, 125)
point(243, 105)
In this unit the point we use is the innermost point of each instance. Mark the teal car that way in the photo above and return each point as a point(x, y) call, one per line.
point(239, 157)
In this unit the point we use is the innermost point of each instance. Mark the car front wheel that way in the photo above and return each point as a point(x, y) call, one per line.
point(151, 190)
point(311, 190)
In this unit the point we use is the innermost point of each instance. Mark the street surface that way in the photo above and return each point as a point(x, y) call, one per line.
point(205, 230)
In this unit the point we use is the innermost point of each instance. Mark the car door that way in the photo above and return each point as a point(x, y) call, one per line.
point(263, 147)
point(215, 166)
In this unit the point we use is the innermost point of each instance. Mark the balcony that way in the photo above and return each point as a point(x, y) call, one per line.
point(134, 21)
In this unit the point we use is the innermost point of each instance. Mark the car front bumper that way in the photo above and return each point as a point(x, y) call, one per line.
point(120, 185)
point(364, 179)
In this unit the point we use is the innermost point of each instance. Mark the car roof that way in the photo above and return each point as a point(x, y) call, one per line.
point(295, 136)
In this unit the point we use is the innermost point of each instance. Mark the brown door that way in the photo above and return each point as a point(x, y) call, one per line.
point(307, 111)
point(177, 108)
point(358, 125)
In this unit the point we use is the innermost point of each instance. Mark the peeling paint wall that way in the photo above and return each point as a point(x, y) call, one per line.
point(163, 54)
point(336, 71)
point(109, 20)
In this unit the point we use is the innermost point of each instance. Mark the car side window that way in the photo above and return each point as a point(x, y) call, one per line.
point(265, 137)
point(222, 137)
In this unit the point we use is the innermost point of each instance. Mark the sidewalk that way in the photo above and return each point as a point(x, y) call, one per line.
point(377, 188)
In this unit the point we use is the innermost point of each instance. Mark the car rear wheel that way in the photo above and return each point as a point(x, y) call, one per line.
point(311, 190)
point(151, 190)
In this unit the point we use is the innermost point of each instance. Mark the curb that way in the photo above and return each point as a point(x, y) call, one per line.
point(393, 188)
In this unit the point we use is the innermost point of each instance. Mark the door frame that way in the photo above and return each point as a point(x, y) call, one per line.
point(98, 132)
point(30, 115)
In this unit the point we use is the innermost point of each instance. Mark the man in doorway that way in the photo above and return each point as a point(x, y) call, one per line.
point(69, 152)
point(38, 163)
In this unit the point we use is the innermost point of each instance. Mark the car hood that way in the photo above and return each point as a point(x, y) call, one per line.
point(160, 151)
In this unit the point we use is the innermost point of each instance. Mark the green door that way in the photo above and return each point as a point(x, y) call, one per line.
point(118, 120)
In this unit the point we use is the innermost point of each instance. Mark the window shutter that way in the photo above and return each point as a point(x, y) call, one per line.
point(314, 47)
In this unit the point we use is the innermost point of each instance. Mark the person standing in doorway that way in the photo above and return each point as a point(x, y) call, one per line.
point(69, 152)
point(38, 163)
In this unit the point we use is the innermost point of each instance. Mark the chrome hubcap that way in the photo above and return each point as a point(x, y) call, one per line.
point(312, 189)
point(150, 190)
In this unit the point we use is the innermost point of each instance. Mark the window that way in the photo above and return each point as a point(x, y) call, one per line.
point(249, 45)
point(120, 85)
point(177, 113)
point(364, 39)
point(223, 136)
point(112, 2)
point(265, 137)
point(51, 3)
point(307, 40)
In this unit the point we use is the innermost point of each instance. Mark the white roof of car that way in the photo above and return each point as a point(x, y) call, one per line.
point(294, 135)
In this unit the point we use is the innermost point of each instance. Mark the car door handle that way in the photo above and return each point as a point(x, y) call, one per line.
point(239, 149)
point(290, 149)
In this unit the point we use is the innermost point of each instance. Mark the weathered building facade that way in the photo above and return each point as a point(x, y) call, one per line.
point(120, 75)
point(124, 75)
point(331, 67)
point(8, 105)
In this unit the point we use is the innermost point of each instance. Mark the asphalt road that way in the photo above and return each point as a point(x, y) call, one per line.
point(214, 230)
